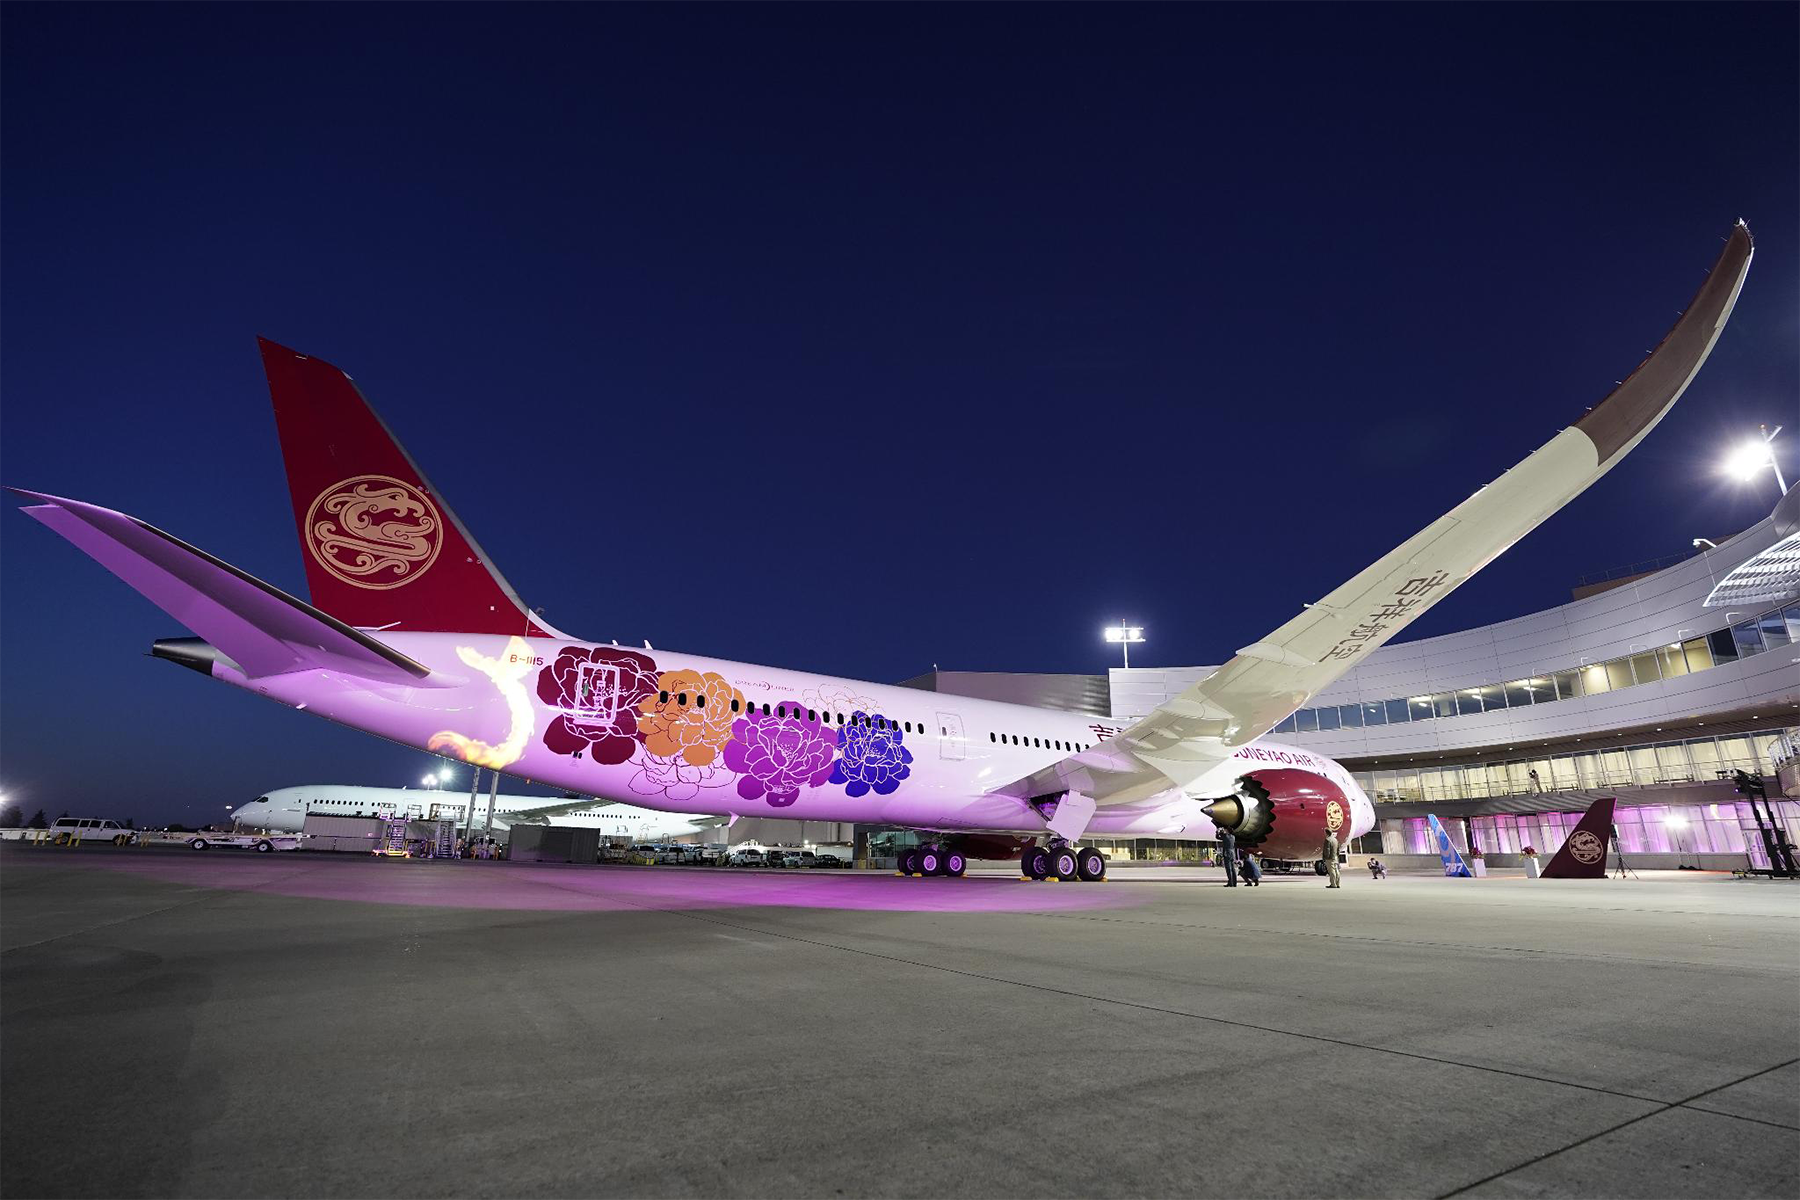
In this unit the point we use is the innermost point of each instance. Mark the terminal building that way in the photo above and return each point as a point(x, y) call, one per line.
point(1649, 687)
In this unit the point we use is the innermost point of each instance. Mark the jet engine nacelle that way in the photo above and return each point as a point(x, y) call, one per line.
point(1283, 813)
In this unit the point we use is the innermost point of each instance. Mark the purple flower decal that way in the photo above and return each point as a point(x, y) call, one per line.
point(595, 692)
point(873, 756)
point(776, 755)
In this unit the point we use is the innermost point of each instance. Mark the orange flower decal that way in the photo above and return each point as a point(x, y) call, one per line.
point(690, 716)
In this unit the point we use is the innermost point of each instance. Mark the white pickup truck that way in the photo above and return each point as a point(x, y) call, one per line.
point(262, 843)
point(90, 829)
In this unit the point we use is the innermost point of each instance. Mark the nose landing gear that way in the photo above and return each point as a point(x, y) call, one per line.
point(1063, 861)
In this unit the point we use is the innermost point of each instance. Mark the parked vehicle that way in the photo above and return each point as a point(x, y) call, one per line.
point(262, 843)
point(747, 858)
point(791, 858)
point(90, 829)
point(828, 861)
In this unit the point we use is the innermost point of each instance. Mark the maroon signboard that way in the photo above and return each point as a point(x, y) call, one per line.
point(1583, 856)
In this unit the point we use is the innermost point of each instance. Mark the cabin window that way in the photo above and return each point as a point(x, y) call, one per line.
point(662, 697)
point(682, 699)
point(734, 706)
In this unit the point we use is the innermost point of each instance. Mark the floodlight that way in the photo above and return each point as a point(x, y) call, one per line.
point(1674, 820)
point(1747, 460)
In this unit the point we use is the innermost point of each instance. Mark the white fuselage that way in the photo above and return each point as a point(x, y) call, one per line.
point(285, 810)
point(634, 727)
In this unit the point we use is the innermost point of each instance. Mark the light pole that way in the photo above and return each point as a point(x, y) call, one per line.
point(1126, 636)
point(1751, 458)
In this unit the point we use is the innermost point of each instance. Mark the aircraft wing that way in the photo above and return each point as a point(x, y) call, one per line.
point(1186, 737)
point(262, 629)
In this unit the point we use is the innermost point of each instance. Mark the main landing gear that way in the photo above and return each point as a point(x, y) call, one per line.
point(1063, 861)
point(931, 859)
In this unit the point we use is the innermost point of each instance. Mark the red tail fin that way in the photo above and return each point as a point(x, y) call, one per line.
point(1583, 855)
point(382, 548)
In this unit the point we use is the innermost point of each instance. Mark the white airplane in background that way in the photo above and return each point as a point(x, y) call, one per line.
point(285, 810)
point(414, 636)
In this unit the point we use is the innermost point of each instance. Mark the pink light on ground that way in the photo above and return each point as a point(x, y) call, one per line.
point(559, 888)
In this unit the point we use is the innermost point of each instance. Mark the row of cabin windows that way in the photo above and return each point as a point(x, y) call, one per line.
point(1013, 739)
point(784, 711)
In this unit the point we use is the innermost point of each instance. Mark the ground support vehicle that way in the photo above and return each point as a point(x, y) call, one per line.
point(262, 843)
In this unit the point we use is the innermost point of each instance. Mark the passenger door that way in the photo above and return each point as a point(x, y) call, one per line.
point(951, 746)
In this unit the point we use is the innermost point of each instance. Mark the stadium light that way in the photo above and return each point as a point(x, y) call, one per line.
point(429, 781)
point(1125, 636)
point(1754, 456)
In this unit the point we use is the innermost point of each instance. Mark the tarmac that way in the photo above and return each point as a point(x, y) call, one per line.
point(223, 1023)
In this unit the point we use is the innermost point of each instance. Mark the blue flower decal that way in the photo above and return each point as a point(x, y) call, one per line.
point(871, 756)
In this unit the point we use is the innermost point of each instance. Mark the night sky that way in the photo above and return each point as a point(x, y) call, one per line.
point(852, 338)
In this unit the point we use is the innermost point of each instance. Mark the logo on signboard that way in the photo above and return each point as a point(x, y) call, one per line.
point(1584, 847)
point(374, 531)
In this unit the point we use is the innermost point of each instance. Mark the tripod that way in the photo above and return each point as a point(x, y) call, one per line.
point(1619, 853)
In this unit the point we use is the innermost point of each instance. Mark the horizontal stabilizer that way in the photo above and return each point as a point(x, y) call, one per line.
point(259, 627)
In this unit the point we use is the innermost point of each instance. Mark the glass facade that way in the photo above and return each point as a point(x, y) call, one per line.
point(1678, 829)
point(1774, 630)
point(1682, 760)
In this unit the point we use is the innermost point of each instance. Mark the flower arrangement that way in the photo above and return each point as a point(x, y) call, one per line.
point(1529, 852)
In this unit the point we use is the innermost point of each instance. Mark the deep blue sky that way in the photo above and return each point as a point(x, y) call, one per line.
point(856, 338)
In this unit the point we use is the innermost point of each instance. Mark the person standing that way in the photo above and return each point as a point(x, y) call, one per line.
point(1537, 785)
point(1228, 853)
point(1331, 862)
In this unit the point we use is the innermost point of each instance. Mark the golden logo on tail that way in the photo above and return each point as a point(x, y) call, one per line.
point(374, 531)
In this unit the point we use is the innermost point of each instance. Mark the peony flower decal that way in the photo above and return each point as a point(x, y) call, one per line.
point(873, 757)
point(777, 755)
point(688, 717)
point(676, 779)
point(595, 692)
point(679, 729)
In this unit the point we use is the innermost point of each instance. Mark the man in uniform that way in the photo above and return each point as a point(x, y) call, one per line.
point(1331, 853)
point(1228, 851)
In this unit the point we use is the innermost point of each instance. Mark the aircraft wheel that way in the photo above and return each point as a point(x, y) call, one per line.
point(1035, 862)
point(955, 864)
point(930, 861)
point(264, 846)
point(1063, 864)
point(198, 843)
point(908, 861)
point(1319, 867)
point(1091, 865)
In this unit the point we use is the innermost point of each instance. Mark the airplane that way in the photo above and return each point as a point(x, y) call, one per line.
point(413, 635)
point(285, 810)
